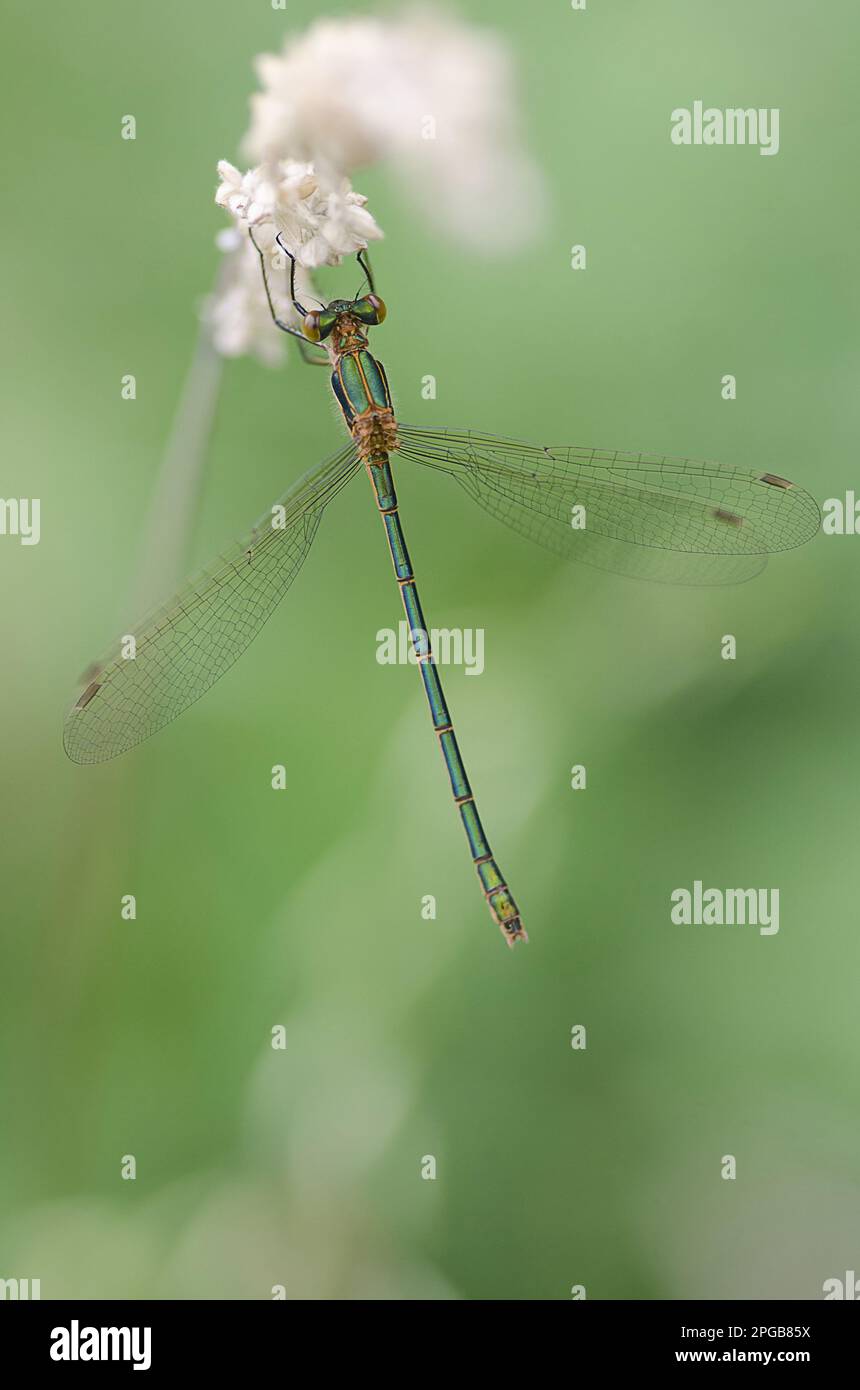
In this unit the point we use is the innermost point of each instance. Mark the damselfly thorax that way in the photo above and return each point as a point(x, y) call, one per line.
point(359, 382)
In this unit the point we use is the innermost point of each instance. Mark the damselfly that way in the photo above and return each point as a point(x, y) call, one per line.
point(642, 515)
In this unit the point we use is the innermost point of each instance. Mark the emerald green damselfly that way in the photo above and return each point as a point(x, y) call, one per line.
point(641, 515)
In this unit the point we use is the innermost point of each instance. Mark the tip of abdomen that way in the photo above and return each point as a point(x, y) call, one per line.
point(506, 915)
point(514, 931)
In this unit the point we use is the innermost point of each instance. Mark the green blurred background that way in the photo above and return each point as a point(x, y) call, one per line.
point(407, 1037)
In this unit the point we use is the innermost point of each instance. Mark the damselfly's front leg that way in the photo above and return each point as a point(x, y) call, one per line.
point(304, 345)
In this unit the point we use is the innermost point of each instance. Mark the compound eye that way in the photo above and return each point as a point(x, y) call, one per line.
point(311, 326)
point(318, 324)
point(371, 309)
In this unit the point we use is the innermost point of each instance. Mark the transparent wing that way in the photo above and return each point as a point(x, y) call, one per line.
point(182, 648)
point(643, 515)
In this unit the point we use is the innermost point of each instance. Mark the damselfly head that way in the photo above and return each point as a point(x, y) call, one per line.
point(317, 325)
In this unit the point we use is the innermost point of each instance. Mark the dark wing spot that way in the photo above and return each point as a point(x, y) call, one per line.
point(87, 695)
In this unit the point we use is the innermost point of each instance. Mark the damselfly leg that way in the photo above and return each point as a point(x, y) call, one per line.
point(304, 346)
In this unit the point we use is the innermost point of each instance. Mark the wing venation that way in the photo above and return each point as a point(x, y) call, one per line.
point(179, 650)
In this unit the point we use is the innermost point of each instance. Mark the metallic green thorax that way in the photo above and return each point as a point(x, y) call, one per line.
point(359, 384)
point(361, 390)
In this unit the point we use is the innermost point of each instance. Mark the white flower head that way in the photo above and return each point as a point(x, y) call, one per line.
point(321, 219)
point(422, 93)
